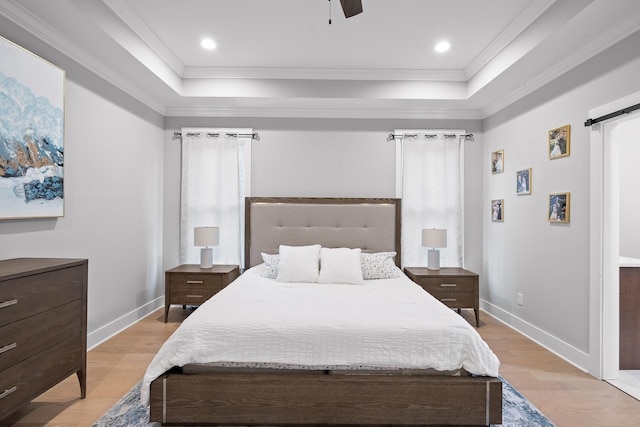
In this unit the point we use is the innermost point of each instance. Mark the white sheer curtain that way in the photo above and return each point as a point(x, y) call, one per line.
point(215, 181)
point(431, 191)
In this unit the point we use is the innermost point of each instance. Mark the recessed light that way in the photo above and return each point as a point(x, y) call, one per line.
point(208, 44)
point(443, 46)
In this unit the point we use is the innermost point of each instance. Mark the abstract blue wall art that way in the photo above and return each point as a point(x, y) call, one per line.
point(31, 135)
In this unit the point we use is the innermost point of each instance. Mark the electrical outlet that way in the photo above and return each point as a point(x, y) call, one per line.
point(520, 299)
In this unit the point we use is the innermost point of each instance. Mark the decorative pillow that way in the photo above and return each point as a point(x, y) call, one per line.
point(299, 263)
point(270, 265)
point(340, 265)
point(379, 265)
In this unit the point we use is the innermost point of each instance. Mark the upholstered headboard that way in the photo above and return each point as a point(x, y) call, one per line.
point(370, 224)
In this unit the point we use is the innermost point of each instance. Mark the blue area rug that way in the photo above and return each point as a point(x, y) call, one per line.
point(517, 411)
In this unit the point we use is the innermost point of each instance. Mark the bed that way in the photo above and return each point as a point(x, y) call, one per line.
point(316, 387)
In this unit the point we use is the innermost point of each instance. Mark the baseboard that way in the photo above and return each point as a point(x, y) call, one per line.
point(100, 335)
point(563, 350)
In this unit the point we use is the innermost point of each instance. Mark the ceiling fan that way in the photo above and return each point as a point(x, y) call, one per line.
point(351, 7)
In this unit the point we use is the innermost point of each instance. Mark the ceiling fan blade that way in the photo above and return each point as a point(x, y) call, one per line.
point(351, 7)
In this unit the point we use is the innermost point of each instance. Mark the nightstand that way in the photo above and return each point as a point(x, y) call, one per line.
point(192, 285)
point(455, 287)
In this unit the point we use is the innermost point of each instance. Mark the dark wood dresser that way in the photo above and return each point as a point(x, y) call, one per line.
point(43, 327)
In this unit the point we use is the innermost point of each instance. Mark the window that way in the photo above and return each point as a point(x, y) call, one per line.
point(429, 177)
point(216, 177)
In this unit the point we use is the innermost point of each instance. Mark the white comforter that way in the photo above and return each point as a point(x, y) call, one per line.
point(390, 323)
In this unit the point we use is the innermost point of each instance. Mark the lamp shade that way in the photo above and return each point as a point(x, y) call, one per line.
point(434, 237)
point(206, 236)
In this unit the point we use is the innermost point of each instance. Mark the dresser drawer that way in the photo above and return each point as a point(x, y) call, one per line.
point(455, 299)
point(21, 340)
point(25, 296)
point(195, 280)
point(453, 284)
point(31, 377)
point(192, 294)
point(193, 288)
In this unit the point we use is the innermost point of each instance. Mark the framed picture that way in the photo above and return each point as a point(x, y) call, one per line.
point(497, 210)
point(523, 181)
point(559, 207)
point(559, 142)
point(497, 161)
point(31, 135)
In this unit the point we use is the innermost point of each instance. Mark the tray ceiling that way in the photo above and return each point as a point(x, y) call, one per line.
point(282, 58)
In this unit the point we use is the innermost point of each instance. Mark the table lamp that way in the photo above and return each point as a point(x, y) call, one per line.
point(206, 236)
point(434, 238)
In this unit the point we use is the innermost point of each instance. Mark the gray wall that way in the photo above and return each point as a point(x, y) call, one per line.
point(326, 158)
point(113, 198)
point(549, 263)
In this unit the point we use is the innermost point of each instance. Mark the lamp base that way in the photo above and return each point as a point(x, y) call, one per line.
point(433, 259)
point(206, 258)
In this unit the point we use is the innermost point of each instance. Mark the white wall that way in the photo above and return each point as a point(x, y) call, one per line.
point(628, 138)
point(549, 263)
point(325, 158)
point(113, 183)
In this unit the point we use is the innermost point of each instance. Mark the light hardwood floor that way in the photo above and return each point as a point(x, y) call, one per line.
point(563, 393)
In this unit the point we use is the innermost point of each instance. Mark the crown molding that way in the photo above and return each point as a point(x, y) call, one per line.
point(513, 96)
point(145, 34)
point(20, 16)
point(596, 46)
point(325, 113)
point(522, 22)
point(323, 74)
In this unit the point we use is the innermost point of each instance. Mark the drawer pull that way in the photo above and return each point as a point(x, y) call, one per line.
point(8, 392)
point(195, 282)
point(194, 296)
point(8, 303)
point(8, 347)
point(448, 285)
point(448, 300)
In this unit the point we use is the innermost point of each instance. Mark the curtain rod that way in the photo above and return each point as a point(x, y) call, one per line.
point(467, 137)
point(254, 136)
point(627, 110)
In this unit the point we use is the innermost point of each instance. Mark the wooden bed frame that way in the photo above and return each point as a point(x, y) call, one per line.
point(287, 398)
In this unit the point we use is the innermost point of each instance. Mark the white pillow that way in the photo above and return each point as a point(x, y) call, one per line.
point(340, 265)
point(299, 263)
point(379, 265)
point(270, 265)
